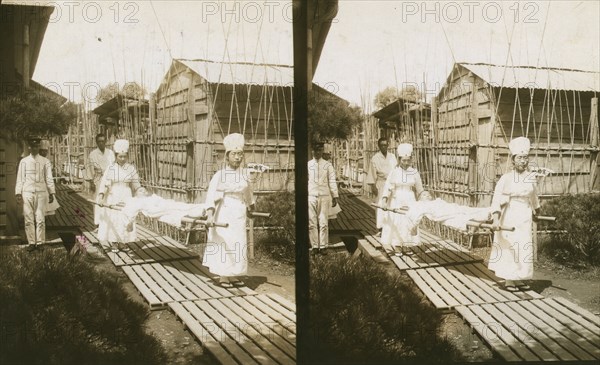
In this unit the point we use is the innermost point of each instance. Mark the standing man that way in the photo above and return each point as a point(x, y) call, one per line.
point(34, 189)
point(99, 160)
point(382, 163)
point(322, 194)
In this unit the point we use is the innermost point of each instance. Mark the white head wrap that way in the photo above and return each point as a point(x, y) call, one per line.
point(121, 146)
point(405, 150)
point(519, 146)
point(234, 142)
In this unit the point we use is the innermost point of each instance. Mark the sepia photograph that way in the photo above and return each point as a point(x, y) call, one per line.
point(299, 182)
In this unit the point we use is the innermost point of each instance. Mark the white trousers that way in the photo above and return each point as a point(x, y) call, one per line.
point(34, 209)
point(318, 220)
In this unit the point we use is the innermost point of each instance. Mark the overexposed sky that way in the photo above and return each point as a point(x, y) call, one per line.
point(91, 43)
point(375, 44)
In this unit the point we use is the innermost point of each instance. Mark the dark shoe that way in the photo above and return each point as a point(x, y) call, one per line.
point(32, 248)
point(322, 252)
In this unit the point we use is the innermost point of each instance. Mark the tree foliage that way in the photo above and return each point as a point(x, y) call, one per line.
point(330, 117)
point(391, 94)
point(131, 90)
point(38, 112)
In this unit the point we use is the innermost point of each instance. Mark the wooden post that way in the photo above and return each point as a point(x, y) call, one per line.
point(594, 136)
point(594, 123)
point(26, 63)
point(250, 238)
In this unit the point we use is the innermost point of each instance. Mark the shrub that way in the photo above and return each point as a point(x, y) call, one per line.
point(278, 241)
point(578, 227)
point(361, 314)
point(57, 310)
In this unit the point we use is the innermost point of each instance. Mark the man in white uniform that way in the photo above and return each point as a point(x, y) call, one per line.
point(99, 160)
point(34, 189)
point(382, 163)
point(322, 194)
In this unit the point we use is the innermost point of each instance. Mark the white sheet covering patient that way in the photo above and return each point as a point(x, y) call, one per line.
point(165, 210)
point(450, 214)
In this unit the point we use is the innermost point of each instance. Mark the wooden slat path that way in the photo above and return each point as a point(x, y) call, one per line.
point(149, 250)
point(237, 325)
point(355, 215)
point(464, 284)
point(256, 329)
point(520, 326)
point(73, 211)
point(433, 252)
point(176, 281)
point(536, 330)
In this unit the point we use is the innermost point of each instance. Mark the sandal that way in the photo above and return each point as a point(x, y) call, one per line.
point(511, 288)
point(523, 287)
point(237, 283)
point(225, 284)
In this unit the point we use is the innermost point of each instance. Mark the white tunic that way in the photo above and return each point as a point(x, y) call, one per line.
point(378, 171)
point(97, 164)
point(118, 185)
point(401, 189)
point(230, 193)
point(515, 196)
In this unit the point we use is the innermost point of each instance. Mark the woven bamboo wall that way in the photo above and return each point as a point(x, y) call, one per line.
point(193, 116)
point(475, 122)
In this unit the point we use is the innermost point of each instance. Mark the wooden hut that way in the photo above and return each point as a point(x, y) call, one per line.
point(123, 117)
point(198, 103)
point(406, 121)
point(482, 107)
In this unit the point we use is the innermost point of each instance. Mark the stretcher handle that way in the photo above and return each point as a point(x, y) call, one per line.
point(489, 226)
point(545, 218)
point(260, 215)
point(114, 206)
point(203, 221)
point(184, 219)
point(401, 210)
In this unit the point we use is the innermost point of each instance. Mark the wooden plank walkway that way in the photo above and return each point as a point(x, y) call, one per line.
point(355, 215)
point(464, 284)
point(536, 330)
point(73, 212)
point(236, 325)
point(176, 281)
point(149, 250)
point(520, 326)
point(256, 329)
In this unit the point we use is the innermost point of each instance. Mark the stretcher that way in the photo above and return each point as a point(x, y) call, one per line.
point(471, 223)
point(193, 221)
point(473, 227)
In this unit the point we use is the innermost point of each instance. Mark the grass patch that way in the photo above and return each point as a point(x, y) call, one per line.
point(59, 310)
point(278, 240)
point(576, 242)
point(361, 314)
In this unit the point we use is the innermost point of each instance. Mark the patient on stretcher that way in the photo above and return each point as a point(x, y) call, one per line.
point(449, 214)
point(165, 210)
